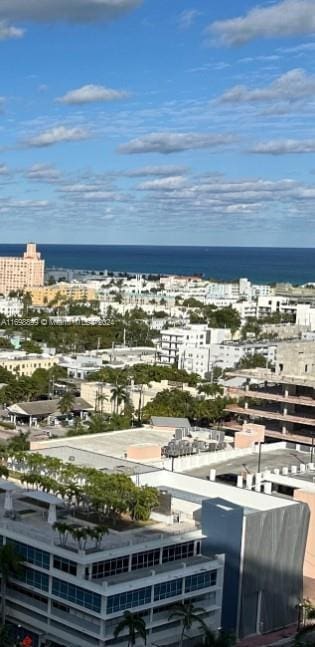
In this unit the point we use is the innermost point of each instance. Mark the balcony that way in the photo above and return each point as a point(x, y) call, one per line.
point(269, 415)
point(265, 394)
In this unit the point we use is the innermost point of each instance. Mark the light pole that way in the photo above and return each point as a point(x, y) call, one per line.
point(312, 448)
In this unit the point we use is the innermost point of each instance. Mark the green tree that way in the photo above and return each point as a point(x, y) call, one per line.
point(253, 361)
point(119, 395)
point(134, 626)
point(19, 443)
point(66, 403)
point(10, 565)
point(170, 403)
point(188, 614)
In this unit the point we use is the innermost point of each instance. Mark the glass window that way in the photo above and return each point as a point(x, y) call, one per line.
point(30, 554)
point(167, 589)
point(145, 559)
point(178, 551)
point(34, 578)
point(129, 599)
point(110, 567)
point(65, 565)
point(77, 595)
point(200, 581)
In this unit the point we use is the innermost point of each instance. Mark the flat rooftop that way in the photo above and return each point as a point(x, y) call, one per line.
point(249, 464)
point(263, 375)
point(30, 523)
point(113, 443)
point(197, 490)
point(85, 458)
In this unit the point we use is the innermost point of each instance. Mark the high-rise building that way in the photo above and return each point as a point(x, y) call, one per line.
point(18, 274)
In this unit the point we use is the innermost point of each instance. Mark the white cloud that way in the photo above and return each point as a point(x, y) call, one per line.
point(286, 18)
point(57, 135)
point(4, 169)
point(65, 10)
point(9, 31)
point(92, 93)
point(159, 171)
point(292, 86)
point(164, 184)
point(284, 146)
point(166, 143)
point(187, 18)
point(43, 173)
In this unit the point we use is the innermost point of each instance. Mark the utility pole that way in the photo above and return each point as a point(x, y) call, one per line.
point(259, 457)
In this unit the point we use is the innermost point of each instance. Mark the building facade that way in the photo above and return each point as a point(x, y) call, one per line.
point(20, 274)
point(68, 594)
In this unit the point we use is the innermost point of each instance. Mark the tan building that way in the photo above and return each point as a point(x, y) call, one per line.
point(27, 364)
point(18, 274)
point(57, 294)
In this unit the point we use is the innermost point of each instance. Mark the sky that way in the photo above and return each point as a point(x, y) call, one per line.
point(161, 122)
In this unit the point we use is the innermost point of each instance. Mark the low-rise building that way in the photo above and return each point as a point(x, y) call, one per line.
point(10, 307)
point(23, 363)
point(67, 593)
point(60, 292)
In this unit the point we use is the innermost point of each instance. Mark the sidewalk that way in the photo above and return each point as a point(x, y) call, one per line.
point(277, 637)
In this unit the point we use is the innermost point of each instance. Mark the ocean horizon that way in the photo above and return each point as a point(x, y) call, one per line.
point(259, 264)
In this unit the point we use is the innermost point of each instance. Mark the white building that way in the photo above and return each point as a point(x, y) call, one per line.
point(190, 347)
point(228, 354)
point(305, 315)
point(11, 307)
point(76, 594)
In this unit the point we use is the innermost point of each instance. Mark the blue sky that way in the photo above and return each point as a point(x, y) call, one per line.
point(158, 122)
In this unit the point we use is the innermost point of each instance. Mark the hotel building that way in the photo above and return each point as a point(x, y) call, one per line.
point(18, 274)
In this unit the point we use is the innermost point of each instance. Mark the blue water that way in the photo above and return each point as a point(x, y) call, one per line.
point(259, 264)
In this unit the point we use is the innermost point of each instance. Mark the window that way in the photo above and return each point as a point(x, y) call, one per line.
point(129, 599)
point(145, 559)
point(110, 567)
point(77, 595)
point(65, 565)
point(33, 578)
point(178, 551)
point(200, 581)
point(167, 589)
point(33, 555)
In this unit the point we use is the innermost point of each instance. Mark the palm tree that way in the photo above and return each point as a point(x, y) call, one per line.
point(100, 398)
point(66, 403)
point(187, 613)
point(119, 395)
point(135, 625)
point(10, 564)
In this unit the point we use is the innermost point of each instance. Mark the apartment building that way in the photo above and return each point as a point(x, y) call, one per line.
point(19, 274)
point(72, 594)
point(181, 344)
point(228, 354)
point(60, 292)
point(23, 363)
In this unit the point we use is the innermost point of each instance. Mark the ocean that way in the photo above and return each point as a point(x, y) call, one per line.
point(259, 264)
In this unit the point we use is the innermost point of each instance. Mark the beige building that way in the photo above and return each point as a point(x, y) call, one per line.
point(26, 364)
point(18, 274)
point(57, 294)
point(99, 394)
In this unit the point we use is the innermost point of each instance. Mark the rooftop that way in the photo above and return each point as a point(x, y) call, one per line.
point(262, 375)
point(114, 443)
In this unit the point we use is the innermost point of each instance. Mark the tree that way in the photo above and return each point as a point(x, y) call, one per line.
point(134, 625)
point(187, 613)
point(253, 361)
point(170, 403)
point(6, 637)
point(66, 403)
point(119, 395)
point(19, 443)
point(100, 398)
point(10, 565)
